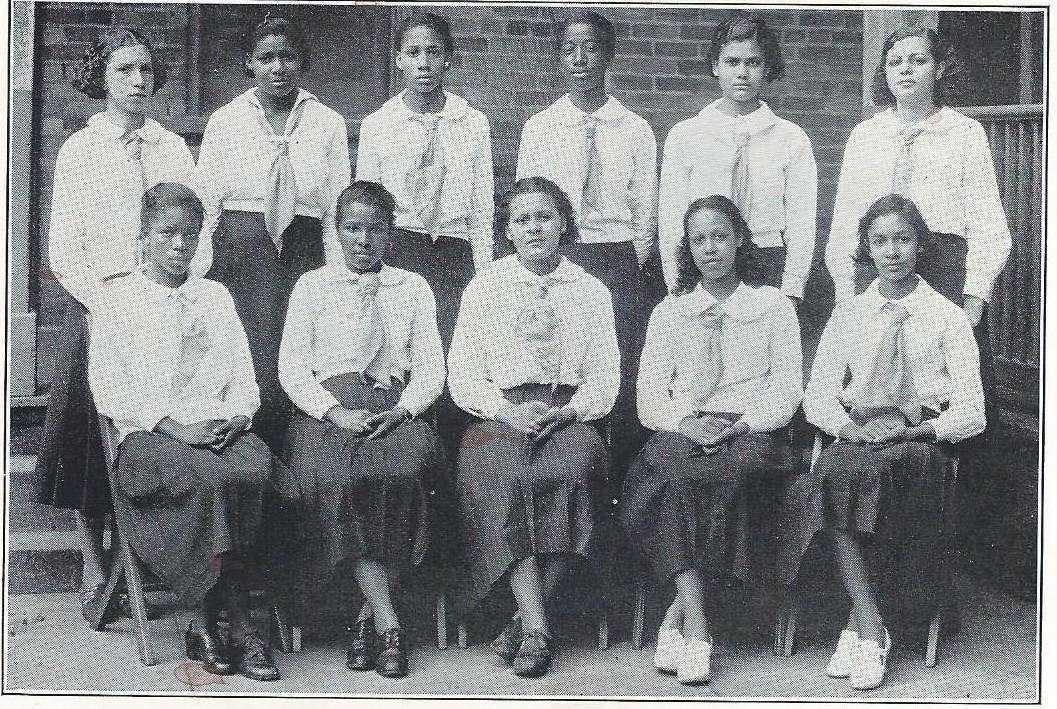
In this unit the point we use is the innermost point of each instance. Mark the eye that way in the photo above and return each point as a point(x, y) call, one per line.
point(731, 61)
point(755, 62)
point(434, 51)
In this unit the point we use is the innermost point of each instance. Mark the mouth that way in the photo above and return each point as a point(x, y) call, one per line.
point(907, 83)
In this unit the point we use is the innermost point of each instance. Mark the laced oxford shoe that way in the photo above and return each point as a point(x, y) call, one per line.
point(207, 648)
point(254, 660)
point(507, 642)
point(392, 658)
point(363, 645)
point(533, 658)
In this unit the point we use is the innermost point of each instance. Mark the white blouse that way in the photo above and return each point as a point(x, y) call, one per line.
point(237, 152)
point(489, 355)
point(953, 185)
point(698, 162)
point(944, 361)
point(97, 196)
point(762, 374)
point(389, 138)
point(552, 147)
point(135, 353)
point(317, 338)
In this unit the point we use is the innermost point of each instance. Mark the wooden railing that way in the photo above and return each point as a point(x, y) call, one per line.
point(1016, 135)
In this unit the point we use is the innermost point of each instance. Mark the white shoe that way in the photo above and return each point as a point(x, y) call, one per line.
point(695, 663)
point(669, 649)
point(868, 665)
point(840, 664)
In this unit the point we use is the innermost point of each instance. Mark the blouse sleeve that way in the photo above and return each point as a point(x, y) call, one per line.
point(65, 229)
point(427, 355)
point(482, 211)
point(986, 232)
point(674, 199)
point(843, 233)
point(643, 194)
point(296, 356)
point(242, 396)
point(598, 389)
point(822, 405)
point(785, 388)
point(801, 196)
point(660, 409)
point(528, 149)
point(468, 379)
point(964, 416)
point(210, 183)
point(368, 161)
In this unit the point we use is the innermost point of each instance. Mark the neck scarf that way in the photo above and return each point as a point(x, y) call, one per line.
point(372, 340)
point(904, 167)
point(710, 362)
point(195, 342)
point(740, 182)
point(891, 384)
point(425, 177)
point(592, 192)
point(280, 194)
point(538, 324)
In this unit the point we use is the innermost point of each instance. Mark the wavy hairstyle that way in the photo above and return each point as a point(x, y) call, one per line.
point(538, 185)
point(891, 204)
point(741, 26)
point(746, 261)
point(278, 27)
point(90, 72)
point(368, 193)
point(954, 72)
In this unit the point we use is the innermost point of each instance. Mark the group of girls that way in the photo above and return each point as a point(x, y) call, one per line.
point(274, 329)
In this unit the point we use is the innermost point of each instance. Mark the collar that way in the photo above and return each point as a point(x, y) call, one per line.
point(888, 124)
point(916, 301)
point(250, 97)
point(190, 290)
point(612, 111)
point(566, 272)
point(339, 271)
point(745, 304)
point(756, 122)
point(455, 107)
point(149, 132)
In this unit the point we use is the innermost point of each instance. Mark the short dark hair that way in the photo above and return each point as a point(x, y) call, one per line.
point(741, 26)
point(425, 19)
point(89, 74)
point(605, 29)
point(943, 52)
point(277, 27)
point(169, 194)
point(371, 194)
point(891, 204)
point(541, 185)
point(746, 261)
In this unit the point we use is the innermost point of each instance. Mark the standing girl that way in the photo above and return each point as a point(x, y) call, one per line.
point(534, 356)
point(738, 148)
point(101, 173)
point(914, 389)
point(604, 157)
point(719, 381)
point(940, 159)
point(273, 162)
point(361, 359)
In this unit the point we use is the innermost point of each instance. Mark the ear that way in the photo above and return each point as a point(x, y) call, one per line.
point(246, 62)
point(400, 60)
point(715, 68)
point(941, 70)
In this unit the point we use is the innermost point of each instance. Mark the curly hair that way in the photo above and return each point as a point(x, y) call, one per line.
point(429, 20)
point(90, 72)
point(371, 194)
point(277, 27)
point(747, 263)
point(891, 204)
point(607, 33)
point(943, 52)
point(169, 194)
point(741, 26)
point(540, 185)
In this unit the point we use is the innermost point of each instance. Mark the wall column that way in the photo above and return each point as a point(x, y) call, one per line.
point(23, 321)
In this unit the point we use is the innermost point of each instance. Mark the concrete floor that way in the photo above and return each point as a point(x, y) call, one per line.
point(49, 648)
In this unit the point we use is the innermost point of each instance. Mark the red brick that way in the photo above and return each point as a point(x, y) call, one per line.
point(542, 29)
point(803, 103)
point(676, 15)
point(697, 32)
point(675, 83)
point(471, 44)
point(824, 55)
point(508, 11)
point(632, 82)
point(819, 36)
point(820, 18)
point(517, 27)
point(694, 67)
point(622, 29)
point(675, 49)
point(847, 37)
point(60, 16)
point(655, 31)
point(634, 46)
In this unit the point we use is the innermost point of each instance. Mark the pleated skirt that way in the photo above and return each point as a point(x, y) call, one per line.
point(519, 499)
point(183, 508)
point(355, 498)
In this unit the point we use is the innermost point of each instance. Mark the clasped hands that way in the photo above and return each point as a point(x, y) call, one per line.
point(535, 420)
point(882, 430)
point(363, 423)
point(710, 432)
point(214, 434)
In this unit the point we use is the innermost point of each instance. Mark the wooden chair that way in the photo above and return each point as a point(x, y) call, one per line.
point(785, 627)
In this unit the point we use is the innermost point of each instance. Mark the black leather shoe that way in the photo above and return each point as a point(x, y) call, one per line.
point(254, 660)
point(533, 658)
point(206, 648)
point(507, 643)
point(120, 606)
point(362, 646)
point(392, 659)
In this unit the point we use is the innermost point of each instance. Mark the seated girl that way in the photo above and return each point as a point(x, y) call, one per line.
point(720, 378)
point(361, 359)
point(169, 364)
point(914, 389)
point(534, 356)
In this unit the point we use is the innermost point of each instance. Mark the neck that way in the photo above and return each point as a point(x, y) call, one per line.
point(123, 119)
point(543, 266)
point(163, 277)
point(277, 104)
point(373, 268)
point(894, 290)
point(722, 288)
point(738, 108)
point(911, 112)
point(431, 102)
point(589, 100)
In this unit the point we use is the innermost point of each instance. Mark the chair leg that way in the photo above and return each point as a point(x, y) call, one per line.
point(463, 643)
point(640, 615)
point(282, 630)
point(791, 614)
point(780, 625)
point(442, 621)
point(135, 594)
point(934, 641)
point(603, 630)
point(117, 568)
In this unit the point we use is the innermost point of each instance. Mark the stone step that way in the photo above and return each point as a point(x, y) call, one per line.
point(44, 556)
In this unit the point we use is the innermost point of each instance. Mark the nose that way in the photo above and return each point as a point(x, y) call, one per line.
point(709, 246)
point(579, 56)
point(363, 239)
point(179, 241)
point(905, 68)
point(137, 78)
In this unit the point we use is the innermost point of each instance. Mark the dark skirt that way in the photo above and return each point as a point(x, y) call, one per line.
point(181, 508)
point(355, 498)
point(519, 499)
point(71, 472)
point(714, 513)
point(896, 496)
point(772, 265)
point(260, 280)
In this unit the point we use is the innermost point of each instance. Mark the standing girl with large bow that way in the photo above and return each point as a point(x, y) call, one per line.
point(101, 173)
point(914, 388)
point(738, 148)
point(273, 162)
point(720, 378)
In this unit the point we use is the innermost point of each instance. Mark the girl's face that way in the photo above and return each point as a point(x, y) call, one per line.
point(584, 57)
point(740, 70)
point(364, 234)
point(275, 65)
point(129, 78)
point(713, 244)
point(535, 226)
point(911, 71)
point(893, 247)
point(171, 239)
point(423, 60)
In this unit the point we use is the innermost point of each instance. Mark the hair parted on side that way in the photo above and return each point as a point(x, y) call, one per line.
point(943, 52)
point(541, 185)
point(169, 194)
point(741, 26)
point(277, 27)
point(369, 193)
point(891, 204)
point(90, 72)
point(425, 19)
point(746, 261)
